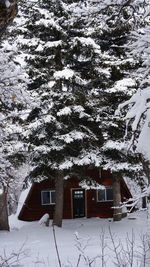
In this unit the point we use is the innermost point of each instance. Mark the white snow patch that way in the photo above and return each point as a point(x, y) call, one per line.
point(48, 118)
point(88, 42)
point(64, 74)
point(93, 185)
point(66, 165)
point(123, 85)
point(7, 3)
point(53, 44)
point(39, 48)
point(1, 191)
point(64, 111)
point(22, 198)
point(115, 145)
point(78, 109)
point(49, 44)
point(38, 242)
point(88, 158)
point(70, 137)
point(48, 23)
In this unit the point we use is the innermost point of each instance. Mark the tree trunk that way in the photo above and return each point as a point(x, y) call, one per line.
point(7, 13)
point(117, 198)
point(146, 167)
point(58, 214)
point(144, 202)
point(4, 224)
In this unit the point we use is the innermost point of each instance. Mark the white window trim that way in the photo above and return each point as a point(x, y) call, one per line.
point(50, 191)
point(105, 194)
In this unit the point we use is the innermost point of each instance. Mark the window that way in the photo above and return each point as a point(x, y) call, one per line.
point(105, 194)
point(48, 197)
point(78, 194)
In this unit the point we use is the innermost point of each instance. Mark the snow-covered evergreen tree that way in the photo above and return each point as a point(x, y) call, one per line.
point(88, 50)
point(121, 19)
point(79, 73)
point(136, 110)
point(63, 132)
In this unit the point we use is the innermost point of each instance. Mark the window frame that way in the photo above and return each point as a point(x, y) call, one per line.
point(50, 192)
point(105, 188)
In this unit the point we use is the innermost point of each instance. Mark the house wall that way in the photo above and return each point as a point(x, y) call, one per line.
point(34, 210)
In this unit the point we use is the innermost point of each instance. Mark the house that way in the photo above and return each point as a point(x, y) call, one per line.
point(79, 200)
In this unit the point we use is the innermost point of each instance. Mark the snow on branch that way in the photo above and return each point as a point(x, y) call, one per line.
point(138, 116)
point(132, 202)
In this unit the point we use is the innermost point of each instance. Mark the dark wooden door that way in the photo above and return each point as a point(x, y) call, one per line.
point(78, 203)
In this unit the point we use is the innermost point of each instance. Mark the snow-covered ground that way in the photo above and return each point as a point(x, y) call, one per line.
point(79, 243)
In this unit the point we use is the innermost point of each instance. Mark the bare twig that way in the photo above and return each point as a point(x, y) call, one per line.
point(56, 247)
point(103, 247)
point(116, 249)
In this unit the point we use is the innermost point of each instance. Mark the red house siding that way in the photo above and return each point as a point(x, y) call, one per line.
point(34, 210)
